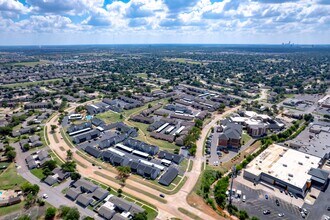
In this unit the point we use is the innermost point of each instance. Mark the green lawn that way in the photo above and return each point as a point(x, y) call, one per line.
point(245, 138)
point(184, 164)
point(66, 138)
point(142, 75)
point(56, 158)
point(191, 163)
point(38, 173)
point(13, 208)
point(110, 117)
point(9, 179)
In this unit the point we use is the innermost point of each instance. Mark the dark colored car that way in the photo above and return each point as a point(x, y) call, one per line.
point(277, 202)
point(162, 195)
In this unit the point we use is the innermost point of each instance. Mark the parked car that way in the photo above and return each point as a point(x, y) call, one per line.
point(162, 195)
point(305, 211)
point(45, 196)
point(266, 196)
point(328, 208)
point(243, 198)
point(280, 214)
point(266, 212)
point(277, 202)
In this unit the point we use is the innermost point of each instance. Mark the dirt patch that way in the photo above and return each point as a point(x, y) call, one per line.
point(197, 202)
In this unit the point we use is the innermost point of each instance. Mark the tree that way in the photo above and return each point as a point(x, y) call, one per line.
point(26, 147)
point(75, 176)
point(50, 164)
point(11, 154)
point(50, 213)
point(68, 213)
point(123, 173)
point(73, 214)
point(53, 128)
point(69, 155)
point(121, 116)
point(198, 123)
point(69, 166)
point(140, 216)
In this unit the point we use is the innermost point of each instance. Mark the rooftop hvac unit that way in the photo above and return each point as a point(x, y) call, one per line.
point(290, 175)
point(300, 163)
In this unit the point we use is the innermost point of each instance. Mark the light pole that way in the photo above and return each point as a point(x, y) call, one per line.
point(233, 172)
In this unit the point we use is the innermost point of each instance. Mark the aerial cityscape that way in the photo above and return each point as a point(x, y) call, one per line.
point(164, 109)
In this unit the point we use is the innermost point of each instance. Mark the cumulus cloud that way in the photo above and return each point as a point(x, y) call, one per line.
point(167, 16)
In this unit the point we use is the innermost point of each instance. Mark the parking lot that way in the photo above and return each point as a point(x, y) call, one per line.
point(256, 203)
point(319, 208)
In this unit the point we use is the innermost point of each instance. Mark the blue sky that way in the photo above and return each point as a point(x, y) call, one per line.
point(48, 22)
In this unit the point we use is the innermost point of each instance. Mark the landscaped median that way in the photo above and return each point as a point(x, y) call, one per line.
point(189, 214)
point(156, 197)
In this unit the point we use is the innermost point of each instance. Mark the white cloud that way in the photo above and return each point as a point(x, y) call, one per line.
point(193, 17)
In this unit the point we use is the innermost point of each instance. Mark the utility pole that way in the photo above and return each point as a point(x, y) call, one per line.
point(233, 173)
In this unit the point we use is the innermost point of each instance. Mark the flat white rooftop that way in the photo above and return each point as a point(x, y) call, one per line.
point(285, 164)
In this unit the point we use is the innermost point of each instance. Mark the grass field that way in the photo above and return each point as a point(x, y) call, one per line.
point(110, 117)
point(9, 209)
point(183, 60)
point(245, 138)
point(9, 178)
point(29, 64)
point(142, 75)
point(38, 173)
point(25, 84)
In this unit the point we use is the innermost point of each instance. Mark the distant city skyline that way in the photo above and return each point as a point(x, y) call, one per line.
point(67, 22)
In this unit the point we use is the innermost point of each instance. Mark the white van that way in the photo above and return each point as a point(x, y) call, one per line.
point(243, 198)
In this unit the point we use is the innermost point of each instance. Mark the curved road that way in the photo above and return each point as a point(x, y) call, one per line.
point(165, 211)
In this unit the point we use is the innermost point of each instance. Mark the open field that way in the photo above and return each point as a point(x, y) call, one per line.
point(9, 178)
point(10, 209)
point(110, 117)
point(142, 75)
point(28, 64)
point(25, 84)
point(183, 60)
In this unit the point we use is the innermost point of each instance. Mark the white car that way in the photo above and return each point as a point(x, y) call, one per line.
point(280, 214)
point(45, 196)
